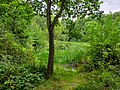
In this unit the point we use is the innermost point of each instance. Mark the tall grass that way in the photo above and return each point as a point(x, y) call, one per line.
point(67, 52)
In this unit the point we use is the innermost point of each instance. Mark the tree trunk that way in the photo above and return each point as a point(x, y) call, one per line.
point(51, 52)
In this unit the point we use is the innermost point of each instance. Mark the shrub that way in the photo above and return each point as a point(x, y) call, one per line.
point(104, 55)
point(16, 77)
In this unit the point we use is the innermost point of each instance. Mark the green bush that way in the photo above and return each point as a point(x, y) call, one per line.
point(13, 52)
point(18, 69)
point(16, 77)
point(104, 55)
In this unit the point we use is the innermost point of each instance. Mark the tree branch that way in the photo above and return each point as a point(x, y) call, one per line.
point(59, 13)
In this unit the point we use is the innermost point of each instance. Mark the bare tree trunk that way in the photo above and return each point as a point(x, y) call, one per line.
point(51, 25)
point(51, 52)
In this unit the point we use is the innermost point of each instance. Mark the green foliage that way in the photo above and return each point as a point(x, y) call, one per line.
point(68, 52)
point(19, 69)
point(92, 32)
point(88, 86)
point(69, 29)
point(15, 77)
point(24, 47)
point(59, 32)
point(11, 51)
point(103, 37)
point(70, 9)
point(105, 55)
point(15, 15)
point(39, 22)
point(100, 80)
point(81, 29)
point(38, 33)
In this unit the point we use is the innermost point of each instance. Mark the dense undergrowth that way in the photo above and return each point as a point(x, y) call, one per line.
point(18, 69)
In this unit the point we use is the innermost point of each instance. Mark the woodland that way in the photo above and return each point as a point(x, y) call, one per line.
point(58, 45)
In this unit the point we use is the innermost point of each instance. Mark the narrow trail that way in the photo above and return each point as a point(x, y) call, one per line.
point(64, 79)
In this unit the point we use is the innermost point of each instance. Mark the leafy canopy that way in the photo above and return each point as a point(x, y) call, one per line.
point(69, 8)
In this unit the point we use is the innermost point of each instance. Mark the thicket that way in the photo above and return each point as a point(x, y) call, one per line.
point(18, 68)
point(103, 61)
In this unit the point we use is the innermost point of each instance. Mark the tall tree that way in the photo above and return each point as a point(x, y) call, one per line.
point(65, 9)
